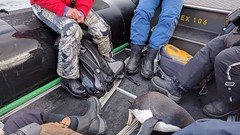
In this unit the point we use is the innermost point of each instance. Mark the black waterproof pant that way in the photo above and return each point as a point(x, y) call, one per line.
point(27, 116)
point(205, 127)
point(225, 62)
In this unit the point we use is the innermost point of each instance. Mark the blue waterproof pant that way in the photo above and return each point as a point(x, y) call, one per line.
point(168, 18)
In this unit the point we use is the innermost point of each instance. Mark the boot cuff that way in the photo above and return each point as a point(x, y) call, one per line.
point(177, 83)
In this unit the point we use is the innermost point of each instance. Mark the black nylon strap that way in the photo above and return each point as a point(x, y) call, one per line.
point(73, 2)
point(93, 68)
point(98, 58)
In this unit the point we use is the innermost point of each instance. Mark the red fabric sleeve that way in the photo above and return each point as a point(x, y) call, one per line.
point(58, 6)
point(55, 6)
point(84, 6)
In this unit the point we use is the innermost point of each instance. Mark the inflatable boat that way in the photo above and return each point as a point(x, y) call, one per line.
point(28, 60)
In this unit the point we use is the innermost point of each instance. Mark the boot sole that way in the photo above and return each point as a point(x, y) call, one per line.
point(220, 116)
point(103, 127)
point(74, 94)
point(164, 91)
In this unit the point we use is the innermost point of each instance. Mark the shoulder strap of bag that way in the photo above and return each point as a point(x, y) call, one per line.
point(156, 60)
point(73, 2)
point(97, 57)
point(93, 69)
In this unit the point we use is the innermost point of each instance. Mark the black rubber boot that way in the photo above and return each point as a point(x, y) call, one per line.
point(219, 109)
point(167, 87)
point(74, 87)
point(147, 67)
point(92, 123)
point(133, 64)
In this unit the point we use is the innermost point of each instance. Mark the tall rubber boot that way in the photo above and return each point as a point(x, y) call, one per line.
point(147, 67)
point(133, 64)
point(92, 123)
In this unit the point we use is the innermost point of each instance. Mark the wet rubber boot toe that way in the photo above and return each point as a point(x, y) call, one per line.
point(147, 67)
point(219, 109)
point(133, 64)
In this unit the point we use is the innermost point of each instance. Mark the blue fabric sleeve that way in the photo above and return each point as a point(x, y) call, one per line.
point(65, 10)
point(81, 12)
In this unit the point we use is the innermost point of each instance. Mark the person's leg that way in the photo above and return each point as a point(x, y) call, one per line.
point(167, 21)
point(227, 74)
point(100, 32)
point(193, 72)
point(91, 122)
point(71, 122)
point(140, 27)
point(21, 119)
point(168, 18)
point(71, 34)
point(27, 116)
point(201, 64)
point(210, 127)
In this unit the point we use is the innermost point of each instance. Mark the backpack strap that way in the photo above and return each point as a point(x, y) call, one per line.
point(97, 57)
point(94, 69)
point(73, 2)
point(156, 61)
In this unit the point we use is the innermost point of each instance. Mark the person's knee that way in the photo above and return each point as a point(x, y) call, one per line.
point(219, 58)
point(72, 29)
point(100, 30)
point(143, 13)
point(106, 31)
point(170, 20)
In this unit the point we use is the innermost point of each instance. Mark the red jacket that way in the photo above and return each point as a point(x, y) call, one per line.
point(58, 6)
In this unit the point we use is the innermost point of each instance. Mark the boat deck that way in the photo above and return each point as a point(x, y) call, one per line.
point(115, 110)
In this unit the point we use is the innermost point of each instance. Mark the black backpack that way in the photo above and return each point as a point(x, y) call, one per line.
point(97, 75)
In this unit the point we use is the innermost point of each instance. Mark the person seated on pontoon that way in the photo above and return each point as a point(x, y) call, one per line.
point(64, 16)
